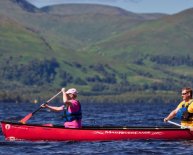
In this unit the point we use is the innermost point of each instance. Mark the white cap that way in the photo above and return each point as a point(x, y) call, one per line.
point(71, 91)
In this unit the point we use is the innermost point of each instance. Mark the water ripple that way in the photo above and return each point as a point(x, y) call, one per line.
point(96, 114)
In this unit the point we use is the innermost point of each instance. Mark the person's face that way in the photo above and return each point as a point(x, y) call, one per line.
point(185, 95)
point(69, 96)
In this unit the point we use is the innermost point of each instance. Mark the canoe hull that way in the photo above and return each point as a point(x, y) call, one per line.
point(18, 131)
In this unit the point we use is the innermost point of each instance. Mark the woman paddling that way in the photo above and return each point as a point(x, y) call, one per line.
point(71, 107)
point(184, 110)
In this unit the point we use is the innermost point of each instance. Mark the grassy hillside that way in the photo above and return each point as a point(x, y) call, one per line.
point(161, 48)
point(109, 54)
point(168, 36)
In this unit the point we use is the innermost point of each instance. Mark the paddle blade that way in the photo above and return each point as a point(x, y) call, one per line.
point(26, 118)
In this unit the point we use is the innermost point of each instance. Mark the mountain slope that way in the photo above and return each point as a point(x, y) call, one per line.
point(168, 36)
point(80, 27)
point(17, 40)
point(98, 49)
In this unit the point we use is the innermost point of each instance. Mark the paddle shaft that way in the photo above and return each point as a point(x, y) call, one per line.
point(53, 97)
point(26, 118)
point(46, 102)
point(176, 124)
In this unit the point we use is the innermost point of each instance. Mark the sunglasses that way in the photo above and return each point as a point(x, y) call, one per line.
point(184, 93)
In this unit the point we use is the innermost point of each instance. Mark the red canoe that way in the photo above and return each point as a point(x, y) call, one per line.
point(33, 132)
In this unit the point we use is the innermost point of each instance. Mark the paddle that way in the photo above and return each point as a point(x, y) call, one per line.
point(176, 124)
point(26, 118)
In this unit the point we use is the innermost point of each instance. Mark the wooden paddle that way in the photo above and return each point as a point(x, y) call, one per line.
point(26, 118)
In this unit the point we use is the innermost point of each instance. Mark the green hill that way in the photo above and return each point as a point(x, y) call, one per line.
point(109, 54)
point(163, 47)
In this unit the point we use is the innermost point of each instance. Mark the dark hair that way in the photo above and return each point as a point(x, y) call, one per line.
point(188, 90)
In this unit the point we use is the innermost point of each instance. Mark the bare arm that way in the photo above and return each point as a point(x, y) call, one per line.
point(53, 108)
point(65, 98)
point(171, 115)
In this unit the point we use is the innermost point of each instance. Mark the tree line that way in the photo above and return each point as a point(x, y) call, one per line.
point(49, 73)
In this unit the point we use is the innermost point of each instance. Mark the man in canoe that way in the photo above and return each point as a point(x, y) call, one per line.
point(184, 110)
point(71, 107)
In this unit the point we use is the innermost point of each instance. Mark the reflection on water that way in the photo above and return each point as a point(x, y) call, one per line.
point(96, 114)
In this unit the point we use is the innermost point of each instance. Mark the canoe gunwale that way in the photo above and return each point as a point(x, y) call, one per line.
point(99, 127)
point(41, 132)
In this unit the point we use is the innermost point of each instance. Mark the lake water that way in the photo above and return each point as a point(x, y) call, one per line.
point(96, 114)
